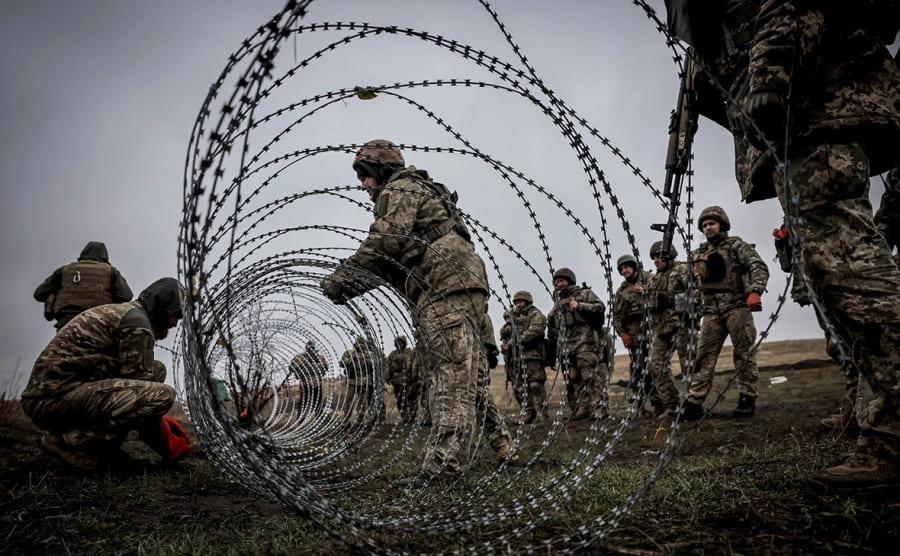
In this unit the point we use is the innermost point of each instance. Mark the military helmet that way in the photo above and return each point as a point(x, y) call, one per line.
point(400, 342)
point(626, 259)
point(505, 314)
point(716, 213)
point(524, 296)
point(378, 152)
point(360, 340)
point(310, 345)
point(566, 273)
point(656, 249)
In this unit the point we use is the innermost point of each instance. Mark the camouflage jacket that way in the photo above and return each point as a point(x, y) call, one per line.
point(400, 365)
point(358, 364)
point(528, 332)
point(417, 244)
point(607, 356)
point(887, 217)
point(581, 323)
point(667, 294)
point(628, 309)
point(109, 341)
point(728, 269)
point(309, 367)
point(844, 87)
point(505, 336)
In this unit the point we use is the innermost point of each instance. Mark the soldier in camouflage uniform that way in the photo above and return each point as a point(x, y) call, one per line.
point(77, 286)
point(359, 365)
point(628, 322)
point(494, 424)
point(731, 277)
point(96, 380)
point(824, 65)
point(525, 347)
point(667, 294)
point(310, 368)
point(572, 326)
point(400, 366)
point(887, 217)
point(505, 335)
point(419, 244)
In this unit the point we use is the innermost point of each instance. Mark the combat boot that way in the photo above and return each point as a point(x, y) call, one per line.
point(581, 413)
point(529, 418)
point(840, 422)
point(690, 412)
point(79, 459)
point(746, 406)
point(861, 470)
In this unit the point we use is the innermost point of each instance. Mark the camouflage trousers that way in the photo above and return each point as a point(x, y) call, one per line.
point(586, 381)
point(494, 424)
point(638, 381)
point(665, 393)
point(451, 329)
point(714, 328)
point(362, 400)
point(406, 394)
point(104, 410)
point(529, 379)
point(852, 271)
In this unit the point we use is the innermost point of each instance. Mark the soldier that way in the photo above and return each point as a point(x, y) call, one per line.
point(359, 365)
point(400, 366)
point(667, 293)
point(77, 286)
point(572, 325)
point(419, 244)
point(526, 349)
point(494, 425)
point(628, 322)
point(826, 66)
point(310, 368)
point(505, 336)
point(731, 277)
point(96, 381)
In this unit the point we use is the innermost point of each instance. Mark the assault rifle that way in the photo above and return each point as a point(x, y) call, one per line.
point(682, 126)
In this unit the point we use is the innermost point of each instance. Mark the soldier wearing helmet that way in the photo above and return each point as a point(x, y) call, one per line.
point(525, 347)
point(309, 369)
point(671, 318)
point(575, 327)
point(420, 245)
point(630, 324)
point(400, 366)
point(731, 277)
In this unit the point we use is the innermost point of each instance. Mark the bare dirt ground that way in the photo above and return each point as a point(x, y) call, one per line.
point(39, 497)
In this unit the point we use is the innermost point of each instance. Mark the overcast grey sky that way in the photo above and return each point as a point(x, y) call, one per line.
point(99, 98)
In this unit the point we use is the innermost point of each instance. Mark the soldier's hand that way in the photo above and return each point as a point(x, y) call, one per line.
point(639, 289)
point(754, 303)
point(626, 339)
point(770, 116)
point(573, 304)
point(333, 290)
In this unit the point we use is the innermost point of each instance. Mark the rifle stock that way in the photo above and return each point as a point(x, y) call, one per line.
point(682, 125)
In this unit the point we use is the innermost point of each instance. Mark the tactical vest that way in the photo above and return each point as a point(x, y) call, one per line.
point(85, 284)
point(723, 270)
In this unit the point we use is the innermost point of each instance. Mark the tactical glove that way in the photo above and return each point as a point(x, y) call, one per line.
point(333, 290)
point(768, 113)
point(492, 361)
point(177, 443)
point(626, 339)
point(754, 303)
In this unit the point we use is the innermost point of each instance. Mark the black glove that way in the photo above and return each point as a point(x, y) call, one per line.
point(334, 290)
point(492, 361)
point(769, 115)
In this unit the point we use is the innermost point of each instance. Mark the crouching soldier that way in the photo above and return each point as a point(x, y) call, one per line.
point(96, 381)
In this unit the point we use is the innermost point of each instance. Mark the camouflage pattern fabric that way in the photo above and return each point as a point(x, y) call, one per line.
point(400, 369)
point(309, 368)
point(451, 332)
point(526, 370)
point(97, 381)
point(668, 335)
point(628, 307)
point(737, 323)
point(579, 348)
